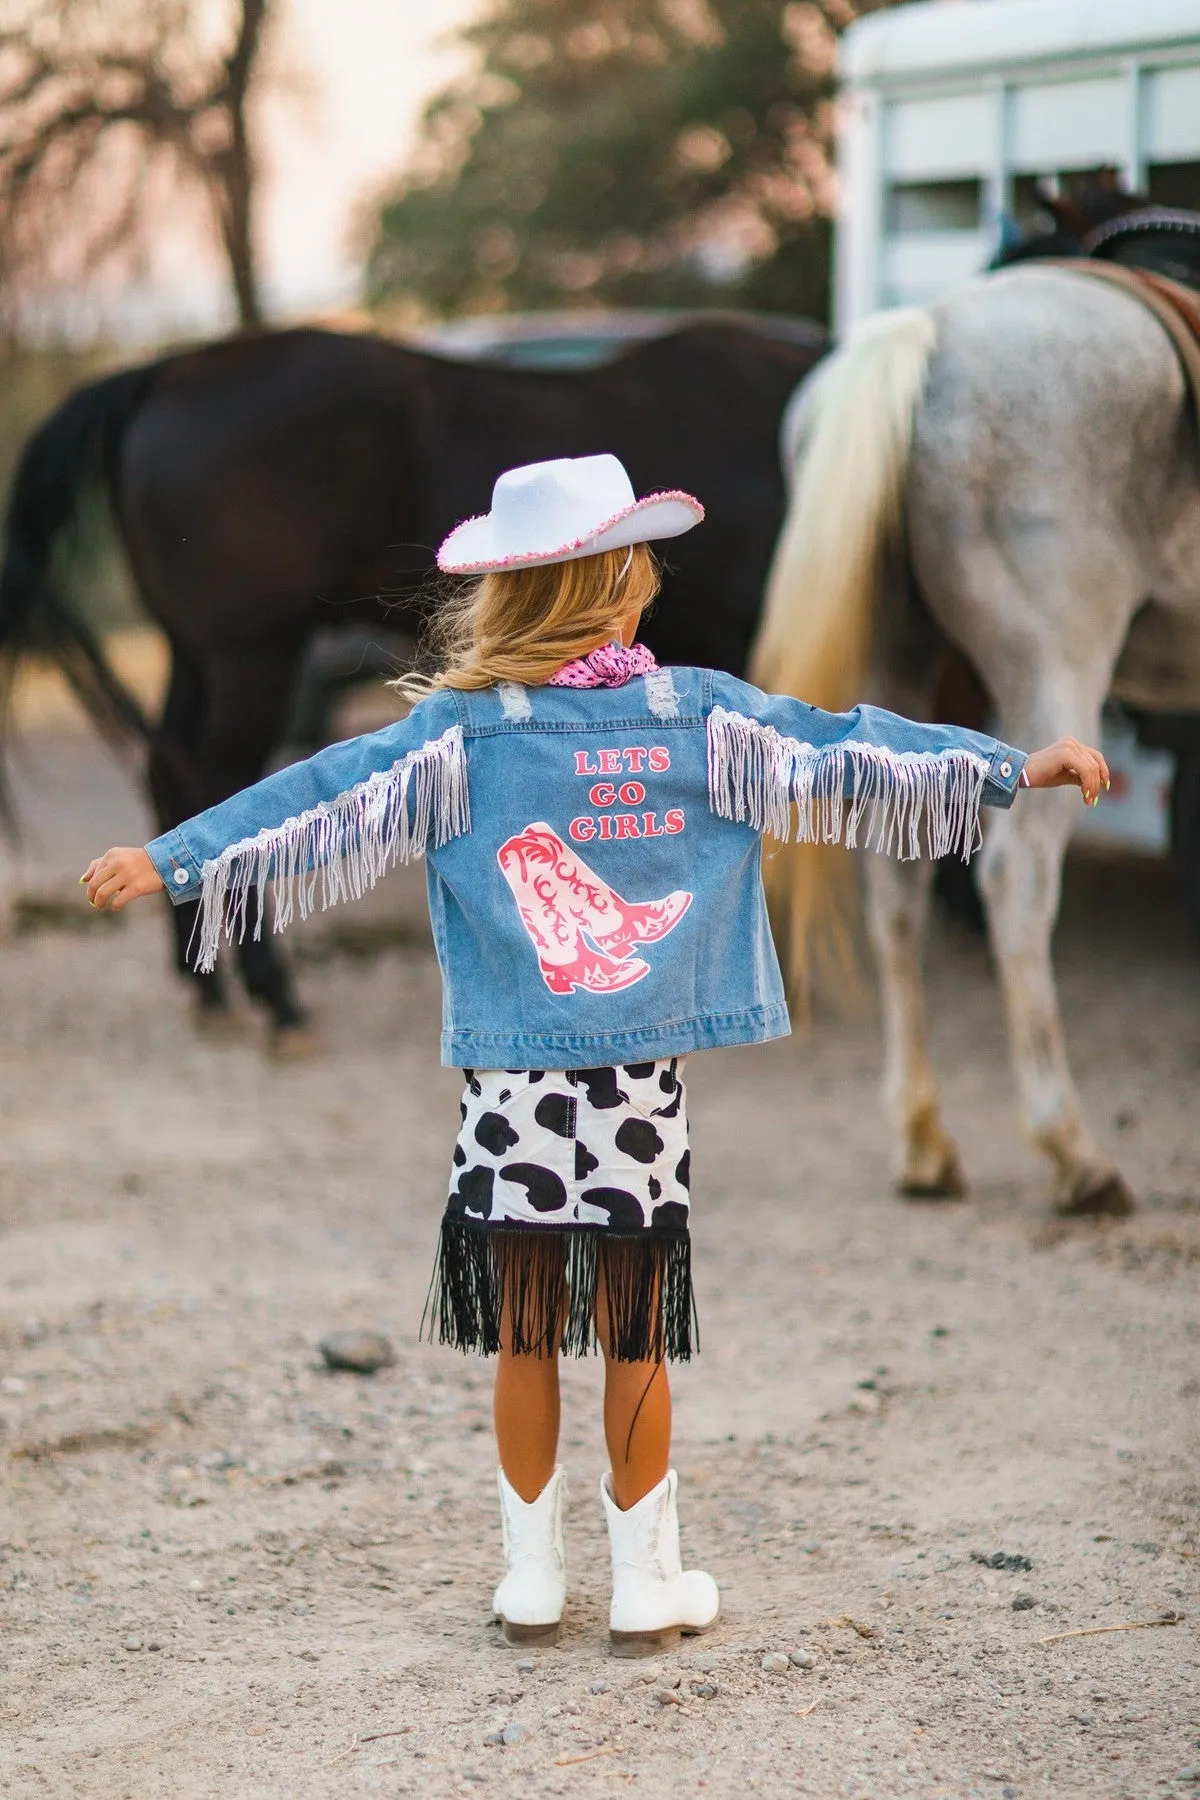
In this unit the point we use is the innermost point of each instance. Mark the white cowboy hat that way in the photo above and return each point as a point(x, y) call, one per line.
point(550, 512)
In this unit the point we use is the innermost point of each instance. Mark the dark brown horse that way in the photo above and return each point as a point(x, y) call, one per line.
point(270, 486)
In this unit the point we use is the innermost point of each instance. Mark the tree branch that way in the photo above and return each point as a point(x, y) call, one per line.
point(62, 98)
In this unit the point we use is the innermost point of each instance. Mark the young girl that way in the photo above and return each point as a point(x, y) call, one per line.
point(593, 828)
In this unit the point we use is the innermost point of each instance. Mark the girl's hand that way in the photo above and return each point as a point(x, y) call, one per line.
point(119, 876)
point(1068, 764)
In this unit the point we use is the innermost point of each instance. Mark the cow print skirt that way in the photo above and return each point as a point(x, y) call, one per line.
point(568, 1214)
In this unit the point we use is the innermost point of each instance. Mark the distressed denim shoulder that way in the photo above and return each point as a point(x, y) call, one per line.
point(592, 855)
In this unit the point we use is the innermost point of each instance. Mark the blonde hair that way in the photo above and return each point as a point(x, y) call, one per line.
point(523, 624)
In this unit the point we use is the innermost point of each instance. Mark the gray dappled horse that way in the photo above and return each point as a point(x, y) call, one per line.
point(1014, 472)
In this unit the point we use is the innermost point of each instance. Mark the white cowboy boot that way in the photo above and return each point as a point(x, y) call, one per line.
point(655, 1601)
point(529, 1601)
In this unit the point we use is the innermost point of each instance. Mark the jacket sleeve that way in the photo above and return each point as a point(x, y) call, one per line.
point(866, 778)
point(322, 830)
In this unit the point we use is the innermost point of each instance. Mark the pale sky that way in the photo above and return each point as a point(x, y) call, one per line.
point(343, 85)
point(368, 65)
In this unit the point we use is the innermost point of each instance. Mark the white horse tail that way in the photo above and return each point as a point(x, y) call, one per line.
point(847, 437)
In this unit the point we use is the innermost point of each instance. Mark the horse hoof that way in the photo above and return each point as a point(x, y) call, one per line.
point(294, 1043)
point(918, 1195)
point(217, 1024)
point(1097, 1194)
point(946, 1182)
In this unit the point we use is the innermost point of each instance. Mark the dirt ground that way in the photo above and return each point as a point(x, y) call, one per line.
point(226, 1572)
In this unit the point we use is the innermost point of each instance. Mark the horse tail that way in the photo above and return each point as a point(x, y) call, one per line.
point(78, 443)
point(848, 438)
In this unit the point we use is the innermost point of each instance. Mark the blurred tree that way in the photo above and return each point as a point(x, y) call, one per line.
point(99, 100)
point(654, 152)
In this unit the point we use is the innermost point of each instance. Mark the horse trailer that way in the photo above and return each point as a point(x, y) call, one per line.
point(952, 116)
point(953, 111)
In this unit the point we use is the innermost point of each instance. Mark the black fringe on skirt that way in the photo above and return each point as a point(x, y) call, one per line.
point(549, 1277)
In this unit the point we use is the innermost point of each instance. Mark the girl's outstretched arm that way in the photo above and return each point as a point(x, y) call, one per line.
point(1068, 763)
point(870, 778)
point(320, 830)
point(119, 876)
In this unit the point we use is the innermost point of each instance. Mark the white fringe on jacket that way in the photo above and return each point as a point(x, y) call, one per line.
point(338, 850)
point(902, 803)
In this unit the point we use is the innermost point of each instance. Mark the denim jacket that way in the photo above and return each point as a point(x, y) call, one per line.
point(593, 856)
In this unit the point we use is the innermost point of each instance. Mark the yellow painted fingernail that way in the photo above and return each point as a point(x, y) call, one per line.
point(83, 881)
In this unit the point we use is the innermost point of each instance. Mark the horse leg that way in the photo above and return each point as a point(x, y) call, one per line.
point(927, 1165)
point(1185, 829)
point(247, 702)
point(171, 778)
point(1021, 878)
point(898, 896)
point(268, 981)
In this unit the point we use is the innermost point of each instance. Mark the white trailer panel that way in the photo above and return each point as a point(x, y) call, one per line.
point(1171, 114)
point(1068, 125)
point(952, 134)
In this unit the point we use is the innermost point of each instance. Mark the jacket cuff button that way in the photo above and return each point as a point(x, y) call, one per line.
point(1005, 770)
point(181, 878)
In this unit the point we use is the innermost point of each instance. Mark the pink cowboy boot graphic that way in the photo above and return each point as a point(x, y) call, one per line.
point(563, 904)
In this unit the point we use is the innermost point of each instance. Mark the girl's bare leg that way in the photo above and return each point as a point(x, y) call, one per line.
point(637, 1427)
point(526, 1410)
point(525, 1403)
point(637, 1416)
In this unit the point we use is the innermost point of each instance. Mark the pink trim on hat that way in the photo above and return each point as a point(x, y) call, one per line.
point(524, 559)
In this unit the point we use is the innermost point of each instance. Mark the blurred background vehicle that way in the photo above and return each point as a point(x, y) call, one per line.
point(579, 339)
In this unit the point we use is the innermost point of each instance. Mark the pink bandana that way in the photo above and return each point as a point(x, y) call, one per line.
point(612, 665)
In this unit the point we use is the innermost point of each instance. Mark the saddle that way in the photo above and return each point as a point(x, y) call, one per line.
point(1177, 308)
point(1164, 240)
